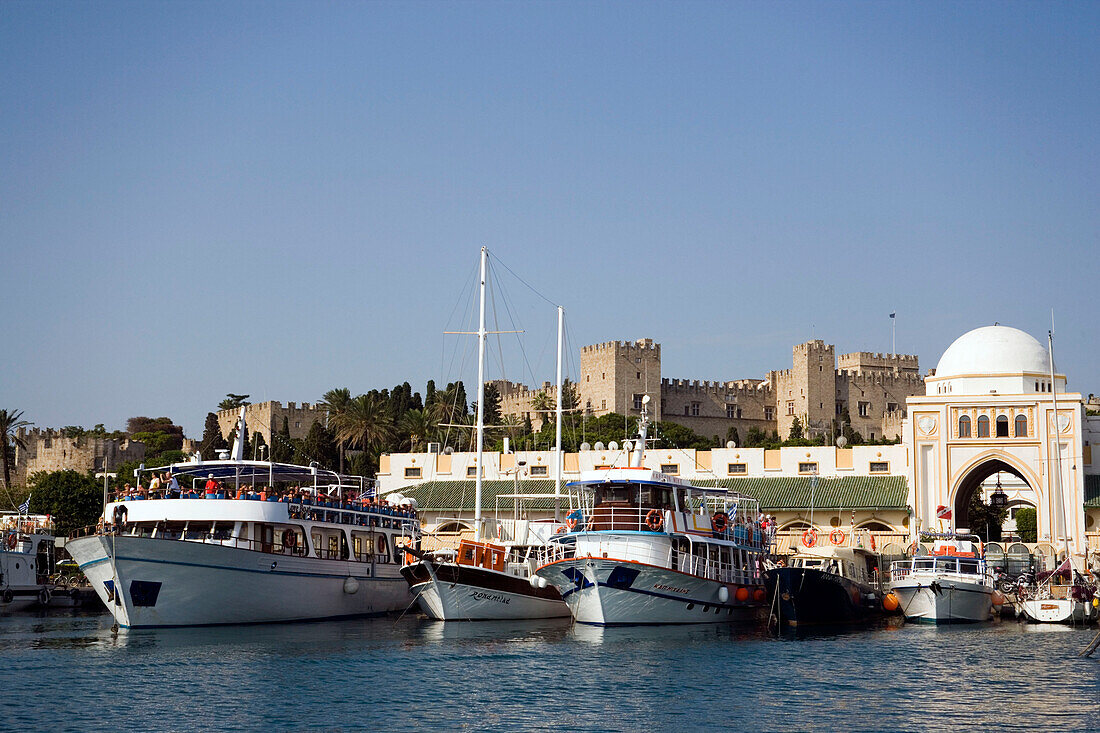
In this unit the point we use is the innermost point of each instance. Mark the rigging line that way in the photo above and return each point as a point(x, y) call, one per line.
point(527, 284)
point(516, 324)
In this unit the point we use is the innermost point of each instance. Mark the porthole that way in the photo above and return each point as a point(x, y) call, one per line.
point(691, 606)
point(706, 609)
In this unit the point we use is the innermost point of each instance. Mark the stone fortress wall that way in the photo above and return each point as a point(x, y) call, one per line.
point(47, 450)
point(267, 417)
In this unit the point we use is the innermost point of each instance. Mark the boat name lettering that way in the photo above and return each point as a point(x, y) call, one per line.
point(659, 586)
point(482, 596)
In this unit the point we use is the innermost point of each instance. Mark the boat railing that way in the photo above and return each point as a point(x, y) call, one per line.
point(902, 569)
point(742, 570)
point(616, 517)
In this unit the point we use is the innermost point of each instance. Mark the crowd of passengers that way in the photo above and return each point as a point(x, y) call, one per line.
point(165, 486)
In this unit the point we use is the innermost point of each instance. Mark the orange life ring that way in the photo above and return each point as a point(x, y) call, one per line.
point(571, 523)
point(873, 542)
point(837, 537)
point(654, 520)
point(809, 537)
point(720, 521)
point(12, 541)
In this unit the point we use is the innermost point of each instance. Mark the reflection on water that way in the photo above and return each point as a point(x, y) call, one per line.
point(548, 674)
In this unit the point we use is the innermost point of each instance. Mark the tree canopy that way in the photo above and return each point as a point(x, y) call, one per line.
point(74, 499)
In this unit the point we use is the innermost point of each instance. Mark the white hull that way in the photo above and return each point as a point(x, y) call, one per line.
point(610, 592)
point(950, 601)
point(459, 602)
point(194, 584)
point(1057, 611)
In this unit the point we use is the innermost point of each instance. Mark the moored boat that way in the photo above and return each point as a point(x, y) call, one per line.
point(26, 560)
point(952, 585)
point(826, 585)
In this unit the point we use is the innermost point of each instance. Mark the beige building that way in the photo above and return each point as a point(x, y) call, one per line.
point(818, 389)
point(48, 450)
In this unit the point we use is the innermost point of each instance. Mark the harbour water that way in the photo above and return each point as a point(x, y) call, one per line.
point(71, 672)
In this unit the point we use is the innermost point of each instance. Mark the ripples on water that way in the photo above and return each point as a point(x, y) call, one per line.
point(63, 672)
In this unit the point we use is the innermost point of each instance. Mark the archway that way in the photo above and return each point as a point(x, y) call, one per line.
point(972, 482)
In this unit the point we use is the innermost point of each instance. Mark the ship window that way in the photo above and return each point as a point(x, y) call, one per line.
point(623, 493)
point(1002, 426)
point(983, 426)
point(1021, 426)
point(655, 496)
point(964, 426)
point(196, 530)
point(172, 530)
point(223, 530)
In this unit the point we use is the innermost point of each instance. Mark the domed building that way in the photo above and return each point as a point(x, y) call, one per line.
point(990, 410)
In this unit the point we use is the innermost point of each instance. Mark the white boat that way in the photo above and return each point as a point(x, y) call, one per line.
point(485, 578)
point(26, 559)
point(952, 585)
point(231, 557)
point(653, 549)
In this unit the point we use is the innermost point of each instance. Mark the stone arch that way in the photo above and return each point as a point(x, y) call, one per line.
point(968, 480)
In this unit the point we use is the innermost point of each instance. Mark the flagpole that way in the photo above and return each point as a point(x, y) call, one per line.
point(893, 333)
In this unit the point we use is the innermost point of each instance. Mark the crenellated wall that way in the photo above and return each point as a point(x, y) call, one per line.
point(48, 450)
point(265, 417)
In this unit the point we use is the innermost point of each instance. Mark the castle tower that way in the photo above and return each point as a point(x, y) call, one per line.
point(808, 389)
point(615, 375)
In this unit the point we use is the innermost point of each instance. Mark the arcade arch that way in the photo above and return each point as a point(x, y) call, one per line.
point(971, 478)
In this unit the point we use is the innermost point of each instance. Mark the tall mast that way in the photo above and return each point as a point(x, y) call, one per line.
point(480, 397)
point(1058, 449)
point(557, 425)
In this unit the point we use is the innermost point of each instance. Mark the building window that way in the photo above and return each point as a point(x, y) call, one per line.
point(964, 426)
point(864, 409)
point(983, 426)
point(637, 402)
point(603, 404)
point(790, 407)
point(1036, 386)
point(880, 467)
point(1021, 426)
point(297, 424)
point(687, 409)
point(1002, 426)
point(695, 409)
point(637, 375)
point(839, 409)
point(471, 471)
point(737, 468)
point(807, 467)
point(769, 413)
point(540, 470)
point(412, 472)
point(891, 406)
point(671, 469)
point(731, 411)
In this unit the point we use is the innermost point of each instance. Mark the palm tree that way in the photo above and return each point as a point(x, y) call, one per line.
point(420, 426)
point(10, 422)
point(336, 402)
point(365, 424)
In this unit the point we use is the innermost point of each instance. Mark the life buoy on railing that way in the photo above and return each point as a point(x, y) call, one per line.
point(290, 538)
point(837, 537)
point(720, 521)
point(654, 520)
point(809, 537)
point(571, 523)
point(44, 596)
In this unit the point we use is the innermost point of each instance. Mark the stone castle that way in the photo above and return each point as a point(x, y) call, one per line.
point(266, 418)
point(871, 388)
point(48, 450)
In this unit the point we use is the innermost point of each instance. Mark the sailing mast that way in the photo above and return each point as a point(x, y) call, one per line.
point(557, 425)
point(480, 398)
point(1058, 451)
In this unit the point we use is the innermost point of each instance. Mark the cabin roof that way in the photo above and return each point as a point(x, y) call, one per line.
point(772, 492)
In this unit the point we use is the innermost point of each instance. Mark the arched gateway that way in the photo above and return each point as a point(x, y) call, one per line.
point(989, 408)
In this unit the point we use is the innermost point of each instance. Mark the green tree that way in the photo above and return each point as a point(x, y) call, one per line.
point(212, 440)
point(320, 446)
point(1027, 525)
point(336, 402)
point(282, 448)
point(419, 427)
point(10, 422)
point(731, 434)
point(365, 424)
point(796, 429)
point(492, 404)
point(159, 434)
point(233, 401)
point(74, 499)
point(984, 519)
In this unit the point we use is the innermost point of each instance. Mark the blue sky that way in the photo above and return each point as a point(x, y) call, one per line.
point(279, 198)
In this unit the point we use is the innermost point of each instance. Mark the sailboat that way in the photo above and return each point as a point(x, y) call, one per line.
point(488, 578)
point(1052, 603)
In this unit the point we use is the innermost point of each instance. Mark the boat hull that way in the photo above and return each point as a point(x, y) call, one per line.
point(945, 601)
point(803, 596)
point(452, 592)
point(608, 592)
point(147, 582)
point(1057, 611)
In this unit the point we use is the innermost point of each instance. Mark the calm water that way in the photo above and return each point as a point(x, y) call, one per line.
point(66, 672)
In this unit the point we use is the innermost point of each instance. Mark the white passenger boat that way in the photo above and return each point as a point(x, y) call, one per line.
point(653, 549)
point(952, 585)
point(26, 559)
point(229, 557)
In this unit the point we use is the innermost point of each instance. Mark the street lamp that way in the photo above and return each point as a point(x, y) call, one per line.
point(998, 500)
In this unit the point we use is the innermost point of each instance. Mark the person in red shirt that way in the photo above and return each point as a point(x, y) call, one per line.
point(211, 485)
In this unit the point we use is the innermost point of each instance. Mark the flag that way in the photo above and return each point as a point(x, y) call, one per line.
point(25, 507)
point(893, 314)
point(943, 512)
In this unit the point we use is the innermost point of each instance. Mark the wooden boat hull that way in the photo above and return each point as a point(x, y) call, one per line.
point(447, 591)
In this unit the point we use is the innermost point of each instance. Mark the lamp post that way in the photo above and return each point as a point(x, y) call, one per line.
point(998, 500)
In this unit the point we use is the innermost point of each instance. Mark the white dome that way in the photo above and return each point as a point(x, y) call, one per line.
point(993, 350)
